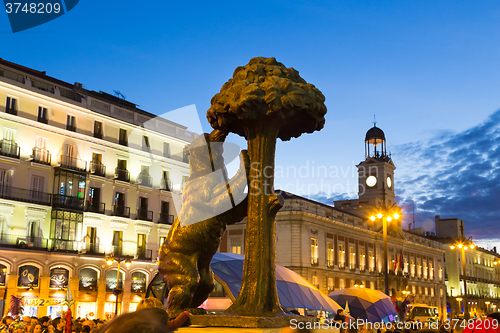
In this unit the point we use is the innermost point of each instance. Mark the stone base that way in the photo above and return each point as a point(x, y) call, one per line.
point(245, 322)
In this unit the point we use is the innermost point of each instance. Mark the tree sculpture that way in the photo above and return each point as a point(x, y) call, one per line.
point(262, 102)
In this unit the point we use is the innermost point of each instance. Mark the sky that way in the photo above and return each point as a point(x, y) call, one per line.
point(428, 70)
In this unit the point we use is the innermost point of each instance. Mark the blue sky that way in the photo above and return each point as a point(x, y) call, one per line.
point(429, 70)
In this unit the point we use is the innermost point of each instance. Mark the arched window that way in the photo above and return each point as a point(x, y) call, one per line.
point(138, 282)
point(28, 276)
point(59, 278)
point(88, 279)
point(111, 280)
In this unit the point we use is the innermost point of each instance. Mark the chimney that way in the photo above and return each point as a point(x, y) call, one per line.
point(495, 249)
point(78, 85)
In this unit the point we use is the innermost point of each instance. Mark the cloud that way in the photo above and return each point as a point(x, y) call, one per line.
point(453, 174)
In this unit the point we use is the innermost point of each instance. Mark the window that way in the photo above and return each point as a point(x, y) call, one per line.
point(121, 172)
point(426, 291)
point(162, 239)
point(419, 268)
point(341, 256)
point(185, 155)
point(96, 166)
point(342, 284)
point(138, 284)
point(432, 291)
point(71, 123)
point(372, 285)
point(420, 290)
point(166, 149)
point(236, 245)
point(431, 271)
point(165, 213)
point(329, 254)
point(141, 245)
point(145, 143)
point(123, 139)
point(314, 251)
point(42, 115)
point(362, 259)
point(8, 146)
point(166, 183)
point(412, 268)
point(144, 178)
point(413, 290)
point(97, 129)
point(315, 281)
point(372, 260)
point(184, 181)
point(425, 269)
point(36, 192)
point(352, 258)
point(330, 284)
point(405, 267)
point(117, 242)
point(91, 239)
point(11, 106)
point(441, 292)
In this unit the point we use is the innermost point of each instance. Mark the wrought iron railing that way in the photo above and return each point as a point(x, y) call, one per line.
point(71, 162)
point(144, 214)
point(122, 174)
point(66, 201)
point(9, 148)
point(97, 169)
point(166, 185)
point(42, 156)
point(24, 195)
point(122, 211)
point(95, 207)
point(165, 218)
point(145, 180)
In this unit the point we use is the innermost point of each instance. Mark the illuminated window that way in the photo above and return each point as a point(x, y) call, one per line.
point(329, 254)
point(236, 245)
point(330, 284)
point(362, 259)
point(341, 256)
point(314, 251)
point(342, 284)
point(352, 258)
point(315, 281)
point(371, 260)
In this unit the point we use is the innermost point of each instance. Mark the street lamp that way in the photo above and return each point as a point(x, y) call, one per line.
point(386, 217)
point(119, 260)
point(487, 306)
point(406, 293)
point(464, 244)
point(459, 300)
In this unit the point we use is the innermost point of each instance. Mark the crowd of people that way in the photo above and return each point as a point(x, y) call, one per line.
point(47, 325)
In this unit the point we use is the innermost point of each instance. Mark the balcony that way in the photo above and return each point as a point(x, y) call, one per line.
point(9, 148)
point(23, 242)
point(165, 219)
point(122, 174)
point(65, 201)
point(21, 194)
point(144, 254)
point(166, 185)
point(98, 135)
point(341, 265)
point(121, 211)
point(41, 156)
point(314, 261)
point(131, 249)
point(95, 207)
point(329, 263)
point(123, 142)
point(70, 162)
point(71, 128)
point(97, 169)
point(352, 268)
point(11, 111)
point(43, 120)
point(63, 245)
point(144, 214)
point(145, 179)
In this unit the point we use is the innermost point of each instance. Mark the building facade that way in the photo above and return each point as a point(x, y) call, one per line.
point(482, 271)
point(340, 247)
point(83, 175)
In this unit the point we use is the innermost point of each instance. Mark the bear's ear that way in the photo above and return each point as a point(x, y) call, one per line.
point(217, 136)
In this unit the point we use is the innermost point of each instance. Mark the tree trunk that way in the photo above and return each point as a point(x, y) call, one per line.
point(258, 295)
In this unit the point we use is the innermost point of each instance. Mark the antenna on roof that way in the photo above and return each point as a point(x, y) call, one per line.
point(119, 94)
point(374, 121)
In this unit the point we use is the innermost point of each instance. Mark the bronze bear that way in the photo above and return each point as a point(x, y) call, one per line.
point(210, 203)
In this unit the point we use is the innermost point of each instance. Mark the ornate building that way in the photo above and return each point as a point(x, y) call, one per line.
point(338, 247)
point(83, 174)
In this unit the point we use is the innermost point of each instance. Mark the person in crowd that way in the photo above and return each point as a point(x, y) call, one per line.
point(340, 318)
point(148, 320)
point(85, 329)
point(44, 321)
point(150, 302)
point(89, 323)
point(37, 328)
point(4, 325)
point(59, 325)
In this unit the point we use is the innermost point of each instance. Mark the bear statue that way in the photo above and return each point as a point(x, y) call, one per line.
point(210, 202)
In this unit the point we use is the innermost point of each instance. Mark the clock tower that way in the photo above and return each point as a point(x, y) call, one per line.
point(376, 172)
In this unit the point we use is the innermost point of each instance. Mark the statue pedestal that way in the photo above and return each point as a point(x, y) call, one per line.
point(242, 324)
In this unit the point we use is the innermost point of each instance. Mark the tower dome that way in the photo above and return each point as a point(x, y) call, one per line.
point(374, 137)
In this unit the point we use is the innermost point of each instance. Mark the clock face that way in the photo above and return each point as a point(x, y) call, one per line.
point(389, 182)
point(371, 181)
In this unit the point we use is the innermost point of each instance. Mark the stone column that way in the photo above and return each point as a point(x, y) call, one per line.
point(11, 290)
point(44, 294)
point(127, 284)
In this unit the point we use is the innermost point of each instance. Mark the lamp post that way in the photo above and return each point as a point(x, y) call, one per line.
point(118, 260)
point(459, 300)
point(464, 244)
point(386, 218)
point(487, 306)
